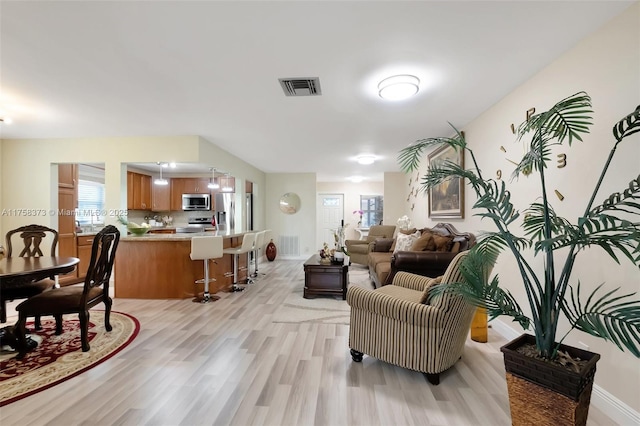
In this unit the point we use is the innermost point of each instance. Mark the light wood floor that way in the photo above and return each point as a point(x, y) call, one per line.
point(226, 363)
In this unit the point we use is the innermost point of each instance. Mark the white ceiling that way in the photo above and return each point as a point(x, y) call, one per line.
point(211, 68)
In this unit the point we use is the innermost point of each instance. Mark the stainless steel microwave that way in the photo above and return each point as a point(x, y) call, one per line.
point(196, 202)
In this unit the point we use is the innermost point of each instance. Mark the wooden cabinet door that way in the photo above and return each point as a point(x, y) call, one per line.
point(67, 202)
point(145, 192)
point(84, 254)
point(141, 189)
point(130, 185)
point(161, 198)
point(177, 189)
point(67, 175)
point(195, 186)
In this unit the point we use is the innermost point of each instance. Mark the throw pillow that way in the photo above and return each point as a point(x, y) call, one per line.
point(424, 243)
point(404, 242)
point(443, 243)
point(425, 293)
point(383, 244)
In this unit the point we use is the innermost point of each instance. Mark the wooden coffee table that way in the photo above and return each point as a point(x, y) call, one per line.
point(322, 280)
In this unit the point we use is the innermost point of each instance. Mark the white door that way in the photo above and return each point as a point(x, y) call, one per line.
point(330, 216)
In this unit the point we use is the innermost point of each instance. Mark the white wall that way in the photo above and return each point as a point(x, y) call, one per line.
point(607, 66)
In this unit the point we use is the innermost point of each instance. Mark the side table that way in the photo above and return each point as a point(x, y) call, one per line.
point(321, 280)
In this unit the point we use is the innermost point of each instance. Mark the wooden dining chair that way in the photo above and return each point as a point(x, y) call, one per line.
point(76, 299)
point(32, 237)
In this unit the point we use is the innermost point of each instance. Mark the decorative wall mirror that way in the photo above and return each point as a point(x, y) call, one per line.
point(290, 203)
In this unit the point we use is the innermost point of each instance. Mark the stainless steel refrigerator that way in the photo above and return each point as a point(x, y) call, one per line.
point(225, 210)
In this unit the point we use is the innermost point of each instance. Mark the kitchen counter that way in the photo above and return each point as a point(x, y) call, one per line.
point(180, 236)
point(158, 266)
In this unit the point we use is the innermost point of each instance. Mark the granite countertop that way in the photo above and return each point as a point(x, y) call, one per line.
point(180, 237)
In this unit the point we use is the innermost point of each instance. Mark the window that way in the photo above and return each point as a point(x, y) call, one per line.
point(90, 202)
point(371, 206)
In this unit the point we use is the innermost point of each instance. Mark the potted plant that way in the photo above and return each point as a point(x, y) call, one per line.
point(611, 225)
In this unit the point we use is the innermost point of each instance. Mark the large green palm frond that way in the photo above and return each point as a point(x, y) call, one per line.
point(481, 291)
point(611, 316)
point(409, 158)
point(628, 125)
point(495, 201)
point(567, 119)
point(444, 171)
point(562, 231)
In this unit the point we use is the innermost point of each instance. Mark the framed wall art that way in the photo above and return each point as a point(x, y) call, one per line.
point(447, 199)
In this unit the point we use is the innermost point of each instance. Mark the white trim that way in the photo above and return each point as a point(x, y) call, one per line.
point(617, 410)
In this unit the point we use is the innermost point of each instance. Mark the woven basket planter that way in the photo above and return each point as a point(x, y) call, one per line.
point(542, 393)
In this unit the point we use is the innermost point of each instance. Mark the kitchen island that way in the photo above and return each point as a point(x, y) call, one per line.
point(158, 266)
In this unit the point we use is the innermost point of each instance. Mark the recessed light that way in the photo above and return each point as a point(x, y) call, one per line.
point(366, 159)
point(355, 179)
point(398, 87)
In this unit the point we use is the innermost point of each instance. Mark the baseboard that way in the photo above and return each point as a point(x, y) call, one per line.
point(617, 410)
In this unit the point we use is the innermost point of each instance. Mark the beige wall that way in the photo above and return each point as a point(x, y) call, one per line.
point(28, 176)
point(302, 223)
point(607, 66)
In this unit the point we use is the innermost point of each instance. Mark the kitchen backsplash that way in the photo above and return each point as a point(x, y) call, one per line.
point(179, 218)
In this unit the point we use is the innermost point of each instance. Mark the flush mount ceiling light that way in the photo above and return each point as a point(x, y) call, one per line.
point(160, 180)
point(398, 87)
point(213, 182)
point(366, 159)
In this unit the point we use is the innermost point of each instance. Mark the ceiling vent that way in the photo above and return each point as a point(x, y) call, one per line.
point(300, 86)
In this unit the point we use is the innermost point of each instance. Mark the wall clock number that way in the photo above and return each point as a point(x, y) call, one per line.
point(559, 195)
point(562, 160)
point(498, 174)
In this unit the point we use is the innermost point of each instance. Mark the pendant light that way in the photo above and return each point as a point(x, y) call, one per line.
point(213, 181)
point(160, 180)
point(226, 187)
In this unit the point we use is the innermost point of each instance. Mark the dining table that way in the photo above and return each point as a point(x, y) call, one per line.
point(17, 271)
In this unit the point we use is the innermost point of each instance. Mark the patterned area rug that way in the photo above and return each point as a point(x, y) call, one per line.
point(58, 358)
point(321, 309)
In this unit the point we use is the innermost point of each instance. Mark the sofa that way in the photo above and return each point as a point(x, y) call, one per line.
point(425, 252)
point(404, 325)
point(359, 249)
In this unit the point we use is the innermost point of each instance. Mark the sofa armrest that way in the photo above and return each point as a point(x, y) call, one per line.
point(351, 243)
point(411, 281)
point(394, 308)
point(426, 263)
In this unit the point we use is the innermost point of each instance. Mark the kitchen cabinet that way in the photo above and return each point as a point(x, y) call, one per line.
point(67, 204)
point(195, 186)
point(67, 176)
point(140, 186)
point(181, 186)
point(160, 198)
point(84, 244)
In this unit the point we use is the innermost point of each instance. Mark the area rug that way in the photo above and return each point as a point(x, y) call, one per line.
point(321, 309)
point(58, 358)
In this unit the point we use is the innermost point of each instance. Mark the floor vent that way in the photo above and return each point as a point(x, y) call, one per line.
point(288, 246)
point(304, 86)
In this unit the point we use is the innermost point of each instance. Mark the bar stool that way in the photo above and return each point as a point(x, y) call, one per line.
point(256, 251)
point(206, 248)
point(248, 241)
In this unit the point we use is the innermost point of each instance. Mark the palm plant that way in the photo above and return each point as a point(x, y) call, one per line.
point(611, 225)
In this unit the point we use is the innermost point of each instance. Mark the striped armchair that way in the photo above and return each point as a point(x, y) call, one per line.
point(394, 324)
